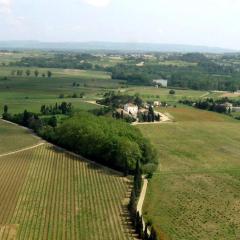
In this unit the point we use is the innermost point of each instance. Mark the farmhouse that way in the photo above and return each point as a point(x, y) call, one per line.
point(228, 106)
point(131, 108)
point(161, 82)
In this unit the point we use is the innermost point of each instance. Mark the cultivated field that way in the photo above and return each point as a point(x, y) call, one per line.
point(49, 194)
point(195, 194)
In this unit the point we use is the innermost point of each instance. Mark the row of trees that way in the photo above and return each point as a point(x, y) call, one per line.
point(149, 116)
point(208, 104)
point(28, 73)
point(137, 219)
point(116, 100)
point(30, 120)
point(63, 108)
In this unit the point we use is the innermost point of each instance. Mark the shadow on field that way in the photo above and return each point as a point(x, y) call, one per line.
point(90, 164)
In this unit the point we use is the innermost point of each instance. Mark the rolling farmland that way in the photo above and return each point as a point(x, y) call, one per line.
point(47, 193)
point(195, 192)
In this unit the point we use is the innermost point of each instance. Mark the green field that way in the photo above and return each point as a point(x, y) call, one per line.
point(21, 93)
point(195, 192)
point(162, 94)
point(13, 138)
point(47, 193)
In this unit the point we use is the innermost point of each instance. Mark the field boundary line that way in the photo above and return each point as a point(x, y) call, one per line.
point(141, 202)
point(142, 196)
point(80, 157)
point(22, 150)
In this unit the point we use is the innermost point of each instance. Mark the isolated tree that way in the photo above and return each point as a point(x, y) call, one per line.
point(137, 179)
point(36, 73)
point(74, 95)
point(138, 101)
point(28, 72)
point(145, 233)
point(43, 75)
point(122, 114)
point(172, 92)
point(49, 74)
point(132, 203)
point(5, 109)
point(43, 109)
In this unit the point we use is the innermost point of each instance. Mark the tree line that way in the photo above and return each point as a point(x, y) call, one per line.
point(210, 104)
point(28, 72)
point(102, 139)
point(146, 232)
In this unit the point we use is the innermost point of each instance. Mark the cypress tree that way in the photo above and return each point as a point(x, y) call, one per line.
point(132, 202)
point(137, 179)
point(153, 235)
point(5, 109)
point(145, 234)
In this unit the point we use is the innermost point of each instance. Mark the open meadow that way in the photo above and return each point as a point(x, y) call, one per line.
point(162, 94)
point(47, 193)
point(195, 192)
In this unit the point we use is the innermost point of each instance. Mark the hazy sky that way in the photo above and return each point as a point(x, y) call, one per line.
point(197, 22)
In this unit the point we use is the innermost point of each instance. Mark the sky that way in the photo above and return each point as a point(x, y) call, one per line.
point(197, 22)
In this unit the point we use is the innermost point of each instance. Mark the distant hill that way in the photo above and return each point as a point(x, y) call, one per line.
point(109, 46)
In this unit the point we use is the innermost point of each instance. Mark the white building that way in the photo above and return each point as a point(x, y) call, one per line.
point(236, 109)
point(161, 82)
point(228, 106)
point(131, 108)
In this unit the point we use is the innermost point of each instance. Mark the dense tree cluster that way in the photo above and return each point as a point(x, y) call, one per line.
point(63, 108)
point(102, 139)
point(30, 120)
point(110, 142)
point(148, 116)
point(126, 117)
point(59, 60)
point(210, 104)
point(116, 100)
point(204, 74)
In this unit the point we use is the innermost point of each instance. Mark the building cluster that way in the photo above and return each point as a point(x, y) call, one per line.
point(133, 110)
point(160, 83)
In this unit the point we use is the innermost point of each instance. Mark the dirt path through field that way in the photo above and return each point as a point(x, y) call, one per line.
point(95, 103)
point(21, 150)
point(142, 196)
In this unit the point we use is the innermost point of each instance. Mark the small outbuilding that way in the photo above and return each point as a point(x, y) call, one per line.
point(131, 108)
point(161, 82)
